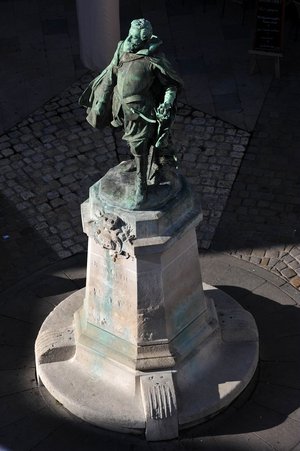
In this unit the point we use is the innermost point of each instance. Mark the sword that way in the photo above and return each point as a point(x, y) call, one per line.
point(159, 120)
point(147, 119)
point(154, 149)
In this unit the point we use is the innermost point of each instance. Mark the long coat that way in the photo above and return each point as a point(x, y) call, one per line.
point(100, 90)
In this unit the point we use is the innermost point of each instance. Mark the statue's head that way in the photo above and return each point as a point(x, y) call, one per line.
point(139, 34)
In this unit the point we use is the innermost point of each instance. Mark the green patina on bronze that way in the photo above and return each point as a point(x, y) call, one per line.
point(137, 91)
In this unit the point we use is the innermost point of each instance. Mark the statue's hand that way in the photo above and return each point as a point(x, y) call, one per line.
point(163, 111)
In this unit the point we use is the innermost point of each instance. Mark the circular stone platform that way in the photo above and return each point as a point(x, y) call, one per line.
point(205, 383)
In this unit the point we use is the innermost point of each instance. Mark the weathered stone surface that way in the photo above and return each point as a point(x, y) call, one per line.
point(220, 370)
point(147, 332)
point(159, 400)
point(133, 311)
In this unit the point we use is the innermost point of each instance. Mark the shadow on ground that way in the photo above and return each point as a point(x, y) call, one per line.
point(23, 250)
point(264, 205)
point(274, 394)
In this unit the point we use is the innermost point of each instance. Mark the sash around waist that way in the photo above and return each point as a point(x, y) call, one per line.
point(130, 99)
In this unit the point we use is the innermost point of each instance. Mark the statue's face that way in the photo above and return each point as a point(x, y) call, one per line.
point(134, 41)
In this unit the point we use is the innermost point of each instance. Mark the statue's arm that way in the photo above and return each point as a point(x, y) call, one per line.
point(170, 93)
point(109, 78)
point(170, 96)
point(105, 79)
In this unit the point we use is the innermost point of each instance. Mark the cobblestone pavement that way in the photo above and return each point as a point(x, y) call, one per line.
point(49, 161)
point(263, 212)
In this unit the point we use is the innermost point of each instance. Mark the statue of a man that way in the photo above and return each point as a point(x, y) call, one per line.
point(137, 91)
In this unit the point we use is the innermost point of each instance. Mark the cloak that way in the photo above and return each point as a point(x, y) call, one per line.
point(101, 88)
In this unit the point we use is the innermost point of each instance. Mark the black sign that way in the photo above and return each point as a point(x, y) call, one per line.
point(269, 26)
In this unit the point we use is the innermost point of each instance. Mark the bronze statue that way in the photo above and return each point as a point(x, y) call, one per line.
point(137, 91)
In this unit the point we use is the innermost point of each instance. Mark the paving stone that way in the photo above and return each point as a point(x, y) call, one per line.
point(295, 281)
point(288, 273)
point(295, 252)
point(280, 266)
point(52, 195)
point(57, 202)
point(272, 253)
point(276, 295)
point(17, 380)
point(18, 405)
point(286, 374)
point(7, 152)
point(43, 208)
point(281, 399)
point(26, 195)
point(243, 441)
point(284, 436)
point(29, 431)
point(287, 258)
point(64, 254)
point(265, 261)
point(255, 260)
point(77, 248)
point(14, 331)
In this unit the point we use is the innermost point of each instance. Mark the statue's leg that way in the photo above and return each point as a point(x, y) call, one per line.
point(140, 153)
point(139, 136)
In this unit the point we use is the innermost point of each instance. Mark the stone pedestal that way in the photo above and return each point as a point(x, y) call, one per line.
point(146, 347)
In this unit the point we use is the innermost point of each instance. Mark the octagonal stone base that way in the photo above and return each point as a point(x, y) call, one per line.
point(144, 347)
point(161, 402)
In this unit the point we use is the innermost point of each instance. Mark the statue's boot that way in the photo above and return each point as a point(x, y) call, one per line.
point(141, 180)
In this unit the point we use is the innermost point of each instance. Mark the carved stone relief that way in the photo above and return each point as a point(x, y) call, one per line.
point(112, 233)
